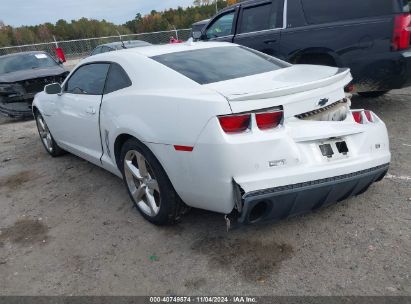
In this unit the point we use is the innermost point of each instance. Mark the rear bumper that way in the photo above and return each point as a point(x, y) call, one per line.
point(382, 72)
point(407, 69)
point(281, 202)
point(258, 160)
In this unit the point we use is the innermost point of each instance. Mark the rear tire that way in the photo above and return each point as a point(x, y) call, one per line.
point(148, 185)
point(46, 138)
point(374, 94)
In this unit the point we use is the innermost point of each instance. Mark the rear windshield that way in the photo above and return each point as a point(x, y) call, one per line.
point(20, 62)
point(317, 12)
point(220, 63)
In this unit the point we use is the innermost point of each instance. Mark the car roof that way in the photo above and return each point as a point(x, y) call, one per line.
point(237, 4)
point(126, 43)
point(24, 53)
point(156, 50)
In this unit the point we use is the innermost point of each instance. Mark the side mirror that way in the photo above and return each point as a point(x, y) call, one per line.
point(54, 88)
point(197, 35)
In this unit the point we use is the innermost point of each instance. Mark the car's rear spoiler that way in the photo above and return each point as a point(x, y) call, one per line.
point(342, 74)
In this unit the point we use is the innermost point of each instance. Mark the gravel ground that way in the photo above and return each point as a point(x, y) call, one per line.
point(68, 227)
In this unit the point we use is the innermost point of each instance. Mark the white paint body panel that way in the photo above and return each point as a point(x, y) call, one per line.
point(164, 108)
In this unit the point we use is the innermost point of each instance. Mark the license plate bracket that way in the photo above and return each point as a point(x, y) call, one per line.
point(326, 150)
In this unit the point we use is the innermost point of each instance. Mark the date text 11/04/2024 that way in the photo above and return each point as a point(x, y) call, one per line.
point(203, 299)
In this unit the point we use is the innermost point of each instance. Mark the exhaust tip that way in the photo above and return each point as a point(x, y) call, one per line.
point(258, 212)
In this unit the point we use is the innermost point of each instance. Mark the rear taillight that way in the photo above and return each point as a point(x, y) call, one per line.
point(369, 116)
point(363, 116)
point(235, 123)
point(357, 117)
point(401, 36)
point(268, 120)
point(349, 88)
point(242, 122)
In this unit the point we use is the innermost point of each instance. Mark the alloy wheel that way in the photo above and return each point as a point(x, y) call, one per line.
point(142, 183)
point(45, 134)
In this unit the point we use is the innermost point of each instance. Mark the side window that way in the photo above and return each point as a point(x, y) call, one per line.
point(258, 18)
point(88, 79)
point(96, 51)
point(117, 79)
point(106, 49)
point(223, 26)
point(316, 12)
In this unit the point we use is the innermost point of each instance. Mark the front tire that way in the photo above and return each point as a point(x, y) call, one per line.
point(374, 94)
point(46, 138)
point(148, 185)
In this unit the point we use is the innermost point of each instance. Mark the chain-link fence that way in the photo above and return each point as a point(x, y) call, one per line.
point(80, 48)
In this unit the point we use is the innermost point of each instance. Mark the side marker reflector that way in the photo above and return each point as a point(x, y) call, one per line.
point(183, 148)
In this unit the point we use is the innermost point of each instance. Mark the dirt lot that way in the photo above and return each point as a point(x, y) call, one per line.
point(68, 227)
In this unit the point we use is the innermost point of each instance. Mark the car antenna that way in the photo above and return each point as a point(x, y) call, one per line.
point(121, 39)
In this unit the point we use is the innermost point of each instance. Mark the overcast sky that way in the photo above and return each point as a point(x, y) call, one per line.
point(31, 12)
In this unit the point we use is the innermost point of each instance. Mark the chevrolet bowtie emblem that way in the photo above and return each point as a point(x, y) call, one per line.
point(323, 102)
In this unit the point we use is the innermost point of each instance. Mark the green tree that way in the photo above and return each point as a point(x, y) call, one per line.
point(5, 37)
point(89, 28)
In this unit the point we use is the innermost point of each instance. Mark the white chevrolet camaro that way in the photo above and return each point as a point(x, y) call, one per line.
point(216, 126)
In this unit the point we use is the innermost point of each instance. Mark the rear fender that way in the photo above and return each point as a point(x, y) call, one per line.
point(295, 56)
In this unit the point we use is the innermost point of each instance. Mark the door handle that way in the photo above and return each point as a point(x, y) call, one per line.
point(91, 110)
point(270, 41)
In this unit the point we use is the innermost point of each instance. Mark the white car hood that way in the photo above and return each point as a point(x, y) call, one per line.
point(298, 89)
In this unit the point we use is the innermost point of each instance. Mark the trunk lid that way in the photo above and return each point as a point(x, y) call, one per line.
point(298, 89)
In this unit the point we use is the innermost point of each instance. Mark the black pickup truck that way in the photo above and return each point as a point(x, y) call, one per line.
point(372, 37)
